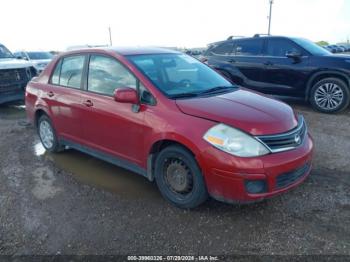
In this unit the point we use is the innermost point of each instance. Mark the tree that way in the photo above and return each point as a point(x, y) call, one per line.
point(322, 43)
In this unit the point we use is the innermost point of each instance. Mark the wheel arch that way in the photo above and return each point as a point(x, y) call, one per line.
point(37, 114)
point(162, 143)
point(316, 77)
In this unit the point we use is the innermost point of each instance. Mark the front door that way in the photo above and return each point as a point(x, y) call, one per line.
point(285, 76)
point(108, 126)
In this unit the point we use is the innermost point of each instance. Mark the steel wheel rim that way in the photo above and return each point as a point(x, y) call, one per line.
point(178, 176)
point(46, 134)
point(329, 96)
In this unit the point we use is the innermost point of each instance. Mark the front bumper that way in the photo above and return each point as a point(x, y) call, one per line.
point(11, 96)
point(226, 176)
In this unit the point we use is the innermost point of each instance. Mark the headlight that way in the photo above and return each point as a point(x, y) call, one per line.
point(234, 142)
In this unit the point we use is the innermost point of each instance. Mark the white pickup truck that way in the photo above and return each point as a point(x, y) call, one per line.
point(14, 76)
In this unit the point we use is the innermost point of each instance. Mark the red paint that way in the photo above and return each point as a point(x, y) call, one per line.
point(101, 123)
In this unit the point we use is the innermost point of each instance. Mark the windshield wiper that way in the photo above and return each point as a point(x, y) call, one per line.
point(184, 95)
point(209, 91)
point(216, 89)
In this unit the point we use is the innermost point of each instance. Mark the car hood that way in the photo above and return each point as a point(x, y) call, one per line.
point(253, 113)
point(40, 61)
point(343, 56)
point(13, 63)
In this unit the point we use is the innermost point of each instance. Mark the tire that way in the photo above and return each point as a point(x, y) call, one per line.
point(330, 95)
point(179, 178)
point(47, 135)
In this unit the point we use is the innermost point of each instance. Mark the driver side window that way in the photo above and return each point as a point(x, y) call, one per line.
point(106, 74)
point(280, 47)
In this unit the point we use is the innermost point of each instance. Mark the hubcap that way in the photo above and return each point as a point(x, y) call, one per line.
point(178, 176)
point(329, 96)
point(46, 134)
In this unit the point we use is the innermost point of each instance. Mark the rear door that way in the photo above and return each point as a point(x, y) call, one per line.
point(249, 61)
point(63, 97)
point(282, 75)
point(108, 126)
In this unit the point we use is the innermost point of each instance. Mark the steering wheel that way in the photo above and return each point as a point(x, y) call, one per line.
point(185, 82)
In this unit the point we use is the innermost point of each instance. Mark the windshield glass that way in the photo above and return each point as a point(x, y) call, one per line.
point(313, 48)
point(5, 53)
point(39, 55)
point(180, 75)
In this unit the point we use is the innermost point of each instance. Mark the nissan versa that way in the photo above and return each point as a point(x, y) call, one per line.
point(172, 119)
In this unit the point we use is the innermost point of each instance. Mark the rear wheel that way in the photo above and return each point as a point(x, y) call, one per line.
point(179, 178)
point(330, 95)
point(47, 134)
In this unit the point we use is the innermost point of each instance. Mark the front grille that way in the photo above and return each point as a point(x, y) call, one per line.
point(14, 79)
point(289, 178)
point(286, 141)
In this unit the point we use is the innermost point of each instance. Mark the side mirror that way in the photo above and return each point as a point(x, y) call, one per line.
point(126, 95)
point(293, 54)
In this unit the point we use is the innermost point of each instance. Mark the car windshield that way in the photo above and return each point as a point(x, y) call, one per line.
point(39, 55)
point(180, 75)
point(5, 53)
point(311, 47)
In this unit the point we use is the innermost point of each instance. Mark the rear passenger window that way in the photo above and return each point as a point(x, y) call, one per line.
point(279, 47)
point(69, 72)
point(223, 49)
point(249, 47)
point(55, 78)
point(106, 74)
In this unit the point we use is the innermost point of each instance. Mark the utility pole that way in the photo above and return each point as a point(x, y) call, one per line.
point(110, 36)
point(269, 30)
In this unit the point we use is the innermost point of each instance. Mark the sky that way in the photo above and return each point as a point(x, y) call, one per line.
point(58, 24)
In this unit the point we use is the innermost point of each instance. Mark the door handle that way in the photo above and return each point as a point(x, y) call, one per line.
point(268, 63)
point(50, 94)
point(231, 61)
point(88, 103)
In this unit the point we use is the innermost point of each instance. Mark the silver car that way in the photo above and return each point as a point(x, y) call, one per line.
point(39, 59)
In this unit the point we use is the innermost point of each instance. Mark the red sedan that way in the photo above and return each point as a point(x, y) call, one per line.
point(172, 119)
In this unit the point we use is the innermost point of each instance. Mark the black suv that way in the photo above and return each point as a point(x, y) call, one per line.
point(284, 66)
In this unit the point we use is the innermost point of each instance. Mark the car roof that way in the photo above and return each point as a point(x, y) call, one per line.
point(128, 50)
point(251, 37)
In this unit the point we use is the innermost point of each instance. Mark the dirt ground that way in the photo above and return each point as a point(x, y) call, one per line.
point(71, 203)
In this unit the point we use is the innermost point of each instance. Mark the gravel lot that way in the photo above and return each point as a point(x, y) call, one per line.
point(70, 203)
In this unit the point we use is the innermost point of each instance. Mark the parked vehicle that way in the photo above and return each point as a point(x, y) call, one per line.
point(39, 59)
point(169, 117)
point(346, 48)
point(287, 67)
point(14, 76)
point(330, 49)
point(337, 48)
point(342, 49)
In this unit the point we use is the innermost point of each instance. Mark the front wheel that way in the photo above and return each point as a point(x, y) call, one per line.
point(179, 178)
point(330, 95)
